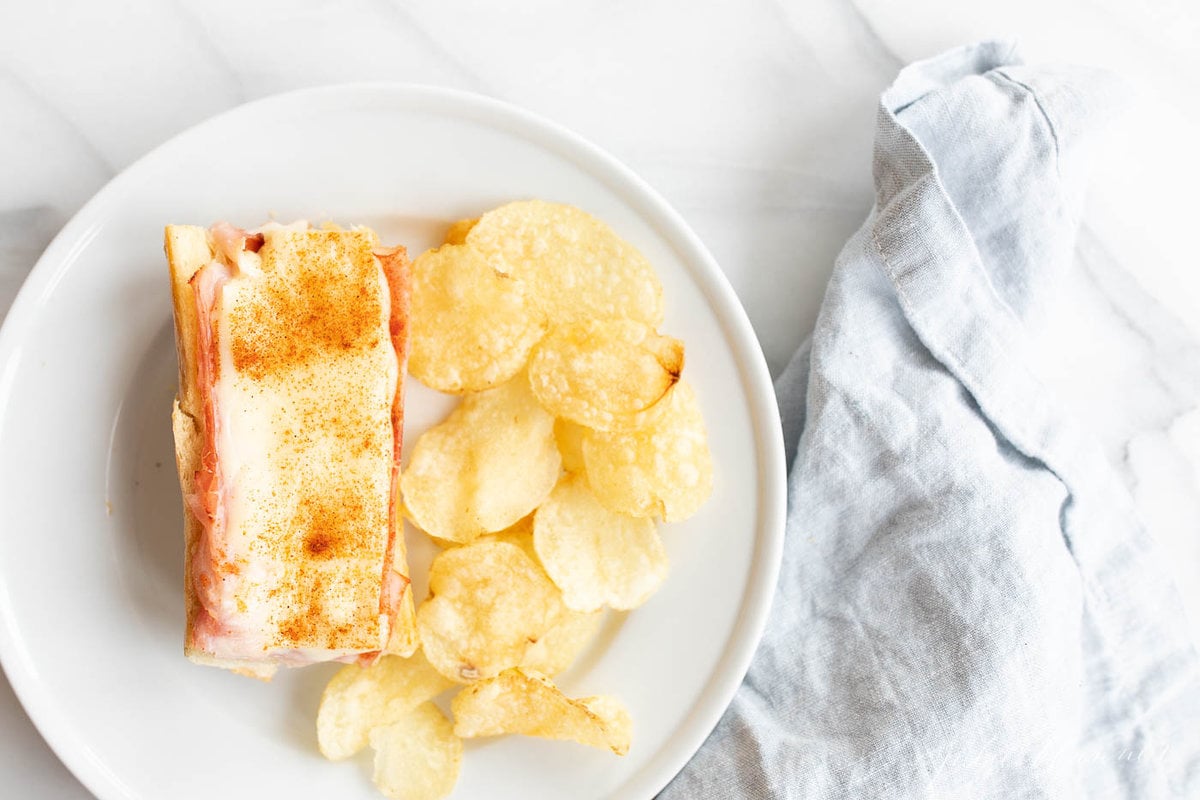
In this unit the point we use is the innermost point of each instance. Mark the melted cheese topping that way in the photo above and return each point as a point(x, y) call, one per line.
point(305, 382)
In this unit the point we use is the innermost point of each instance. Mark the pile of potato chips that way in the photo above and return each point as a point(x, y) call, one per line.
point(574, 435)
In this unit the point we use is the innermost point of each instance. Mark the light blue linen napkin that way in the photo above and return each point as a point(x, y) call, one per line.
point(968, 606)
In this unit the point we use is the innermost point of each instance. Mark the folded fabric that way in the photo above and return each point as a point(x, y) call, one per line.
point(968, 605)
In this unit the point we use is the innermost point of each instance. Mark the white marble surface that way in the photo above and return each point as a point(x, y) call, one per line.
point(753, 118)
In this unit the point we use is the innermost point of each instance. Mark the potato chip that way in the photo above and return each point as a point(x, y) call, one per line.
point(576, 267)
point(520, 534)
point(604, 374)
point(457, 233)
point(562, 644)
point(488, 601)
point(595, 556)
point(358, 699)
point(445, 543)
point(490, 463)
point(559, 646)
point(662, 470)
point(418, 757)
point(570, 444)
point(527, 703)
point(471, 327)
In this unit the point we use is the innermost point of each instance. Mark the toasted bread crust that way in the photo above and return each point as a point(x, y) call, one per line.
point(188, 249)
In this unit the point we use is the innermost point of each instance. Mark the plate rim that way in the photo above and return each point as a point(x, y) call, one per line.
point(771, 504)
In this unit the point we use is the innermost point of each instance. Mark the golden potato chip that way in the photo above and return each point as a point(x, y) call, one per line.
point(527, 703)
point(445, 543)
point(562, 644)
point(417, 757)
point(358, 699)
point(520, 534)
point(559, 646)
point(570, 444)
point(604, 374)
point(488, 601)
point(470, 327)
point(576, 267)
point(662, 470)
point(556, 649)
point(595, 556)
point(490, 463)
point(457, 233)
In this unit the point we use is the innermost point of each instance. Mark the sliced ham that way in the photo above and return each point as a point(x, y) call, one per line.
point(208, 561)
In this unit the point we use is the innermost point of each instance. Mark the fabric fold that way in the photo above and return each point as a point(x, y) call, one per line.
point(968, 605)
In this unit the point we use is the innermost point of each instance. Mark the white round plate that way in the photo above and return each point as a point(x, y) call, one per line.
point(91, 606)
